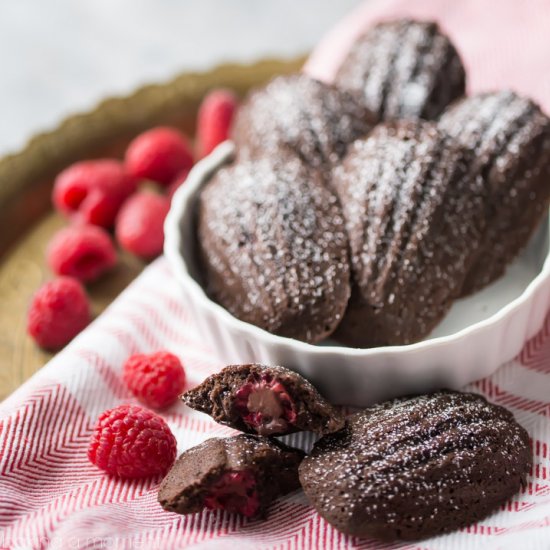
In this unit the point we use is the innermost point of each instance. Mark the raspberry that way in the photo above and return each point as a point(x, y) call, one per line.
point(157, 379)
point(177, 182)
point(214, 120)
point(58, 312)
point(234, 492)
point(132, 442)
point(158, 155)
point(140, 224)
point(265, 405)
point(93, 191)
point(81, 251)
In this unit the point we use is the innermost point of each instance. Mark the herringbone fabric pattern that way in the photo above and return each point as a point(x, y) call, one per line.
point(51, 497)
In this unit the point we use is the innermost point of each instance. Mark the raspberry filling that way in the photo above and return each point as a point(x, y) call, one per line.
point(265, 405)
point(234, 492)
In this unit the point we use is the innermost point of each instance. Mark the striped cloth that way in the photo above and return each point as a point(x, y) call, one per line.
point(51, 497)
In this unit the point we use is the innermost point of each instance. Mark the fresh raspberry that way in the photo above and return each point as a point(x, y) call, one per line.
point(159, 155)
point(177, 182)
point(140, 224)
point(130, 441)
point(214, 120)
point(58, 312)
point(234, 492)
point(265, 405)
point(93, 191)
point(81, 251)
point(157, 379)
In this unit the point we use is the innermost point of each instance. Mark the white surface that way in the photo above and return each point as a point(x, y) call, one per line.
point(479, 334)
point(62, 56)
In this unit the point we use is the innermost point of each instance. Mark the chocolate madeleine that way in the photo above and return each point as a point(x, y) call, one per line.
point(242, 474)
point(417, 467)
point(404, 69)
point(315, 120)
point(415, 218)
point(264, 400)
point(510, 136)
point(274, 247)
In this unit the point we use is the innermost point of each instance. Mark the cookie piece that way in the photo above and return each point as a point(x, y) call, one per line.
point(274, 247)
point(417, 467)
point(315, 120)
point(242, 474)
point(264, 400)
point(415, 219)
point(510, 136)
point(404, 69)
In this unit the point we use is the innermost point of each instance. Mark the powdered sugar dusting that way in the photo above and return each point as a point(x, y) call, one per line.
point(275, 247)
point(404, 69)
point(498, 126)
point(415, 219)
point(315, 120)
point(490, 124)
point(419, 466)
point(511, 139)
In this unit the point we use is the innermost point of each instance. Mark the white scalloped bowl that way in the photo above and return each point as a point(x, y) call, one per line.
point(479, 334)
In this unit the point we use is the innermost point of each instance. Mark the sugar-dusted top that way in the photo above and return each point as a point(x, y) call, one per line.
point(404, 69)
point(415, 216)
point(433, 460)
point(510, 136)
point(502, 128)
point(315, 120)
point(275, 247)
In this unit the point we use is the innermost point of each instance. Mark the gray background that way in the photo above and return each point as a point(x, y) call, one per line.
point(62, 56)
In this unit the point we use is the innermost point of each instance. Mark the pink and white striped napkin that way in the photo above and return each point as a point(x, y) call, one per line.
point(51, 497)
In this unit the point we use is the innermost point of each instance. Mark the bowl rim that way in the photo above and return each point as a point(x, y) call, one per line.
point(200, 173)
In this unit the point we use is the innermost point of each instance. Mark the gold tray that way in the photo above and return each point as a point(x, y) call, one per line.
point(27, 221)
